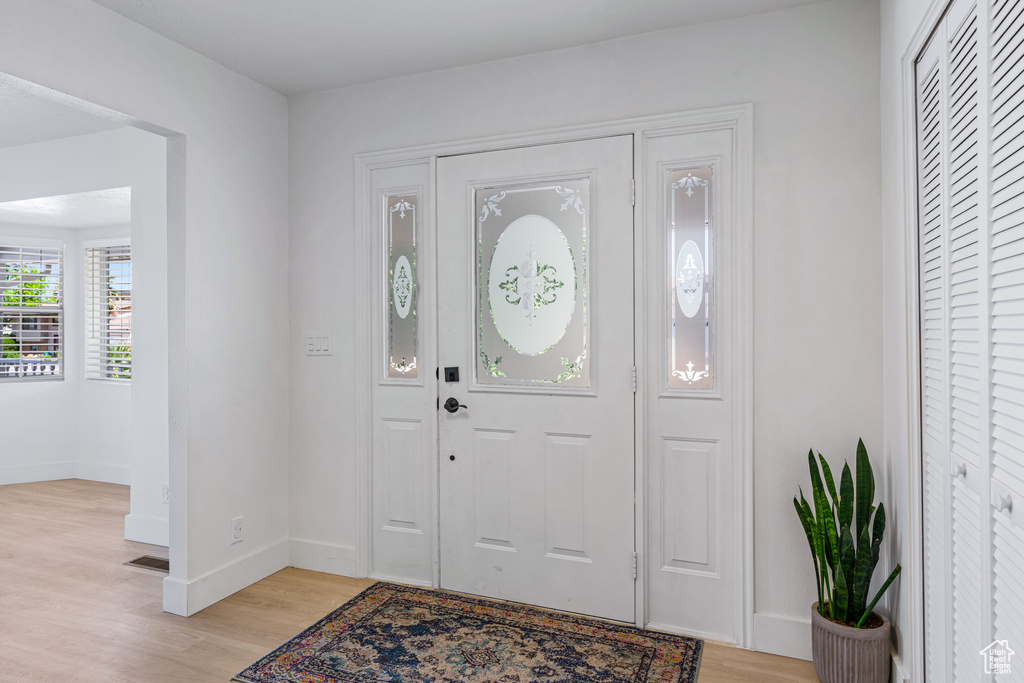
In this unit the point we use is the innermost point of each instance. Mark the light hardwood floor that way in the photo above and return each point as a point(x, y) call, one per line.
point(70, 611)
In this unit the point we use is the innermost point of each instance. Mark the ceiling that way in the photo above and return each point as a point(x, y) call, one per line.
point(29, 118)
point(101, 208)
point(298, 46)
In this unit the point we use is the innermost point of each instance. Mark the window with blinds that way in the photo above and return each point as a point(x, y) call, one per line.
point(31, 312)
point(108, 312)
point(970, 165)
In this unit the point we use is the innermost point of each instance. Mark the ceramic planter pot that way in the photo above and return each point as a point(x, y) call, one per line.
point(844, 654)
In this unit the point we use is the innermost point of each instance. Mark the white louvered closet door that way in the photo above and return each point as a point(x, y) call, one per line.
point(1006, 257)
point(970, 139)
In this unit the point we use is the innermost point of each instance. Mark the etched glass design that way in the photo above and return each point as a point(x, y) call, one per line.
point(400, 217)
point(531, 284)
point(690, 245)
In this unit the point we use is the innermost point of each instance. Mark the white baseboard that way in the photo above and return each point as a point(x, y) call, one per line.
point(675, 630)
point(399, 579)
point(188, 598)
point(899, 673)
point(328, 558)
point(152, 530)
point(26, 474)
point(784, 636)
point(175, 596)
point(110, 474)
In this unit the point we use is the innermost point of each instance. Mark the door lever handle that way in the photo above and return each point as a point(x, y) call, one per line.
point(452, 405)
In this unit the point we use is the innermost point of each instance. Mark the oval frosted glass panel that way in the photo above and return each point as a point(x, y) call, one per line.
point(690, 279)
point(400, 219)
point(531, 284)
point(689, 233)
point(401, 287)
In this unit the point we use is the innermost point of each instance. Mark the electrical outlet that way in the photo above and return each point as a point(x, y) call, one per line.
point(236, 530)
point(165, 494)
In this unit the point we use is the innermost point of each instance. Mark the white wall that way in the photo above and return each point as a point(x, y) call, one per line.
point(228, 188)
point(900, 20)
point(120, 158)
point(812, 74)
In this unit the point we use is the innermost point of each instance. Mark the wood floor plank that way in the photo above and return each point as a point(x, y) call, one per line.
point(70, 611)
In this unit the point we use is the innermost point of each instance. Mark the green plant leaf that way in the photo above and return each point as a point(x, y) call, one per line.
point(830, 550)
point(804, 521)
point(865, 488)
point(878, 531)
point(821, 574)
point(826, 519)
point(862, 572)
point(803, 511)
point(885, 586)
point(840, 598)
point(829, 481)
point(847, 551)
point(846, 496)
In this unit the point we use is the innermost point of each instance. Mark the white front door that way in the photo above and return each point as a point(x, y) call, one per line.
point(535, 309)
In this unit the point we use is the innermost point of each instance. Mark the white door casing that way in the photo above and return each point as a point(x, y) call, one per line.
point(404, 556)
point(536, 473)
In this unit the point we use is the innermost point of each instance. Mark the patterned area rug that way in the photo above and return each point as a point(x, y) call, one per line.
point(397, 633)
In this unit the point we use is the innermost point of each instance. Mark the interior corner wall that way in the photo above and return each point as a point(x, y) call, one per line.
point(68, 429)
point(107, 411)
point(230, 280)
point(812, 73)
point(900, 20)
point(44, 446)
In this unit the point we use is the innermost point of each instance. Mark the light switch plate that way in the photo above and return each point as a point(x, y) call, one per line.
point(319, 344)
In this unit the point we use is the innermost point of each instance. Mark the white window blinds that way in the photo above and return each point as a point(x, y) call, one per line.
point(31, 311)
point(108, 312)
point(970, 139)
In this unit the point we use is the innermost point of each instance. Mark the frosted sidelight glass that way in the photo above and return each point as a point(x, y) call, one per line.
point(531, 284)
point(400, 217)
point(690, 244)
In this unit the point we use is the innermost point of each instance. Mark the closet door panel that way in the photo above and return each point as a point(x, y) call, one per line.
point(1006, 137)
point(934, 281)
point(967, 457)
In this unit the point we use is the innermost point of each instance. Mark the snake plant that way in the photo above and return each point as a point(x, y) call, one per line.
point(844, 532)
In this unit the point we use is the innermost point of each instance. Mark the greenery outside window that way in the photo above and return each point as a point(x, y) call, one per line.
point(31, 312)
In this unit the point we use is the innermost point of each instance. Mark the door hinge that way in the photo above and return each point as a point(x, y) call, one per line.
point(632, 192)
point(634, 379)
point(634, 564)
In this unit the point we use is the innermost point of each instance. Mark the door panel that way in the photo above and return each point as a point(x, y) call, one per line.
point(690, 382)
point(402, 467)
point(535, 306)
